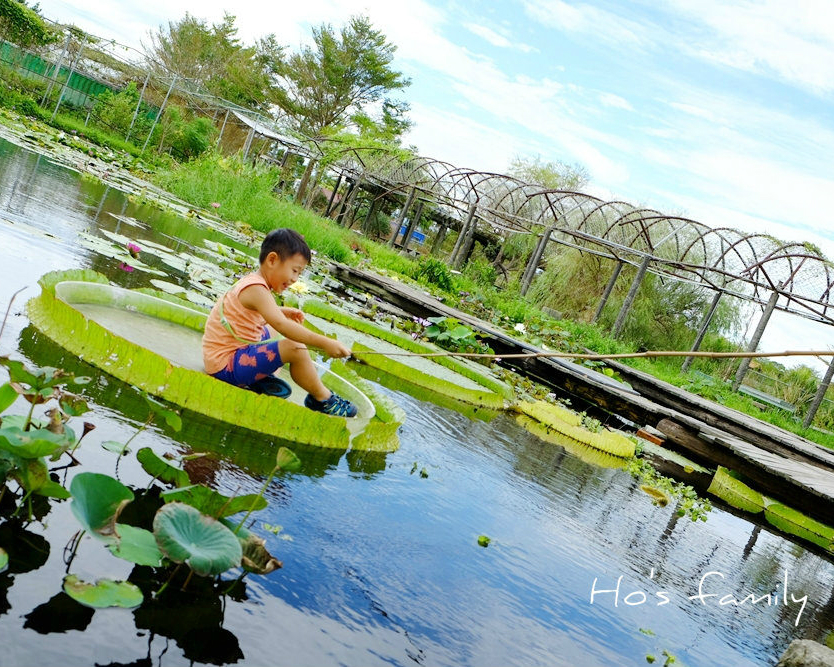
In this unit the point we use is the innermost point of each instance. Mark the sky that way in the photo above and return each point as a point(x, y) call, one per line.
point(717, 110)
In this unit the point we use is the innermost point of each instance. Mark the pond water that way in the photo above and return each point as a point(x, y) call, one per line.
point(381, 564)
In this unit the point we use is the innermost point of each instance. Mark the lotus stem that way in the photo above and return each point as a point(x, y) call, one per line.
point(130, 439)
point(8, 310)
point(22, 501)
point(165, 585)
point(255, 499)
point(235, 582)
point(187, 579)
point(29, 416)
point(75, 541)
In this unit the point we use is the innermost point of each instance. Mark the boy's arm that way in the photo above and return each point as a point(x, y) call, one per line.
point(259, 298)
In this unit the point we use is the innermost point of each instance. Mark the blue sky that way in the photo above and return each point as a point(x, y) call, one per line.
point(722, 111)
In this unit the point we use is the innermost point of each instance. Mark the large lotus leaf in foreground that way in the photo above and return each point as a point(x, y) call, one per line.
point(185, 535)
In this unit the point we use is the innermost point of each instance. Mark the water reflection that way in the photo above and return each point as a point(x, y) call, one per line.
point(381, 565)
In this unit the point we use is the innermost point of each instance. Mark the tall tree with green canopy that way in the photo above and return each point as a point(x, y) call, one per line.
point(552, 175)
point(344, 79)
point(214, 57)
point(23, 25)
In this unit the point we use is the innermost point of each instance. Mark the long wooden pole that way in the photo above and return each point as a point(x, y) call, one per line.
point(620, 355)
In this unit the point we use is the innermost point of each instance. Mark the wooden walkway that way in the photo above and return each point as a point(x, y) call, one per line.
point(780, 464)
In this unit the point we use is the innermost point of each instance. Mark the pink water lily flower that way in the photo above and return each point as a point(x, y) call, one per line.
point(126, 267)
point(134, 250)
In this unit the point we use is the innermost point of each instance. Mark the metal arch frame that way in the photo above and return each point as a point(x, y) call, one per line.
point(719, 258)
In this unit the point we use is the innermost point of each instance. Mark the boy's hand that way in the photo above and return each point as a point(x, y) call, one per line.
point(335, 349)
point(294, 314)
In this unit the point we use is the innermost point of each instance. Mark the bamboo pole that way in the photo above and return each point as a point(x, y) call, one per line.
point(599, 357)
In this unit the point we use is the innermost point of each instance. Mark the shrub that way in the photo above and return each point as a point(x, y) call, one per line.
point(115, 111)
point(481, 271)
point(434, 271)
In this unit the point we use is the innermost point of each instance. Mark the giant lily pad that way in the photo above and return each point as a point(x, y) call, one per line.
point(136, 545)
point(97, 501)
point(104, 593)
point(185, 535)
point(210, 502)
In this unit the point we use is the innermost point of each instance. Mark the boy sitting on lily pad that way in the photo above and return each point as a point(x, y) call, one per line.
point(240, 348)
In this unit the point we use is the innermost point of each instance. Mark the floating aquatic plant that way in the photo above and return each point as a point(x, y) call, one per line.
point(186, 535)
point(104, 593)
point(136, 545)
point(97, 501)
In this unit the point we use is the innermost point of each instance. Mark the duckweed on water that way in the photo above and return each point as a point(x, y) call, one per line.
point(689, 503)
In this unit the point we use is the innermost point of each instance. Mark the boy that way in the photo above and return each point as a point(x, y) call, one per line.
point(237, 346)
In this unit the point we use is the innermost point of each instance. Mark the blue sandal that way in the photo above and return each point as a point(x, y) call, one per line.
point(335, 405)
point(271, 386)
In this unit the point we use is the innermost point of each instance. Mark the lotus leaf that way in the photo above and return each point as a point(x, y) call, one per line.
point(255, 558)
point(136, 545)
point(185, 535)
point(97, 501)
point(115, 447)
point(157, 468)
point(210, 502)
point(171, 417)
point(33, 444)
point(4, 560)
point(31, 474)
point(104, 593)
point(53, 490)
point(7, 396)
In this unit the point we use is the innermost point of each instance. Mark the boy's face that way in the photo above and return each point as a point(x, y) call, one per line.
point(281, 273)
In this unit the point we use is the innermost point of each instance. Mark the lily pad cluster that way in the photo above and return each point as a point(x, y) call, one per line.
point(27, 443)
point(191, 527)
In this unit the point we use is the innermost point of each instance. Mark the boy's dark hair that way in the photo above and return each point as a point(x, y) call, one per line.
point(285, 243)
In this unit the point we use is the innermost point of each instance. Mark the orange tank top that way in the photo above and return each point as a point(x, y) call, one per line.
point(219, 345)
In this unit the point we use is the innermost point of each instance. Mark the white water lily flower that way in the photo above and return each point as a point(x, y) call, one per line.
point(299, 287)
point(520, 327)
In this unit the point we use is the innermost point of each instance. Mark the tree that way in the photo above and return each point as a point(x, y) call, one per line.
point(212, 56)
point(552, 175)
point(23, 25)
point(342, 80)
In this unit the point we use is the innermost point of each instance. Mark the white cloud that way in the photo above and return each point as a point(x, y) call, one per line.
point(615, 101)
point(587, 19)
point(788, 40)
point(496, 39)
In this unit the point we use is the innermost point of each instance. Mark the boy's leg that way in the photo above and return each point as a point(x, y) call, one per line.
point(302, 368)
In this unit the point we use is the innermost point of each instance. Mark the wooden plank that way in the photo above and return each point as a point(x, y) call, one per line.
point(767, 436)
point(805, 487)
